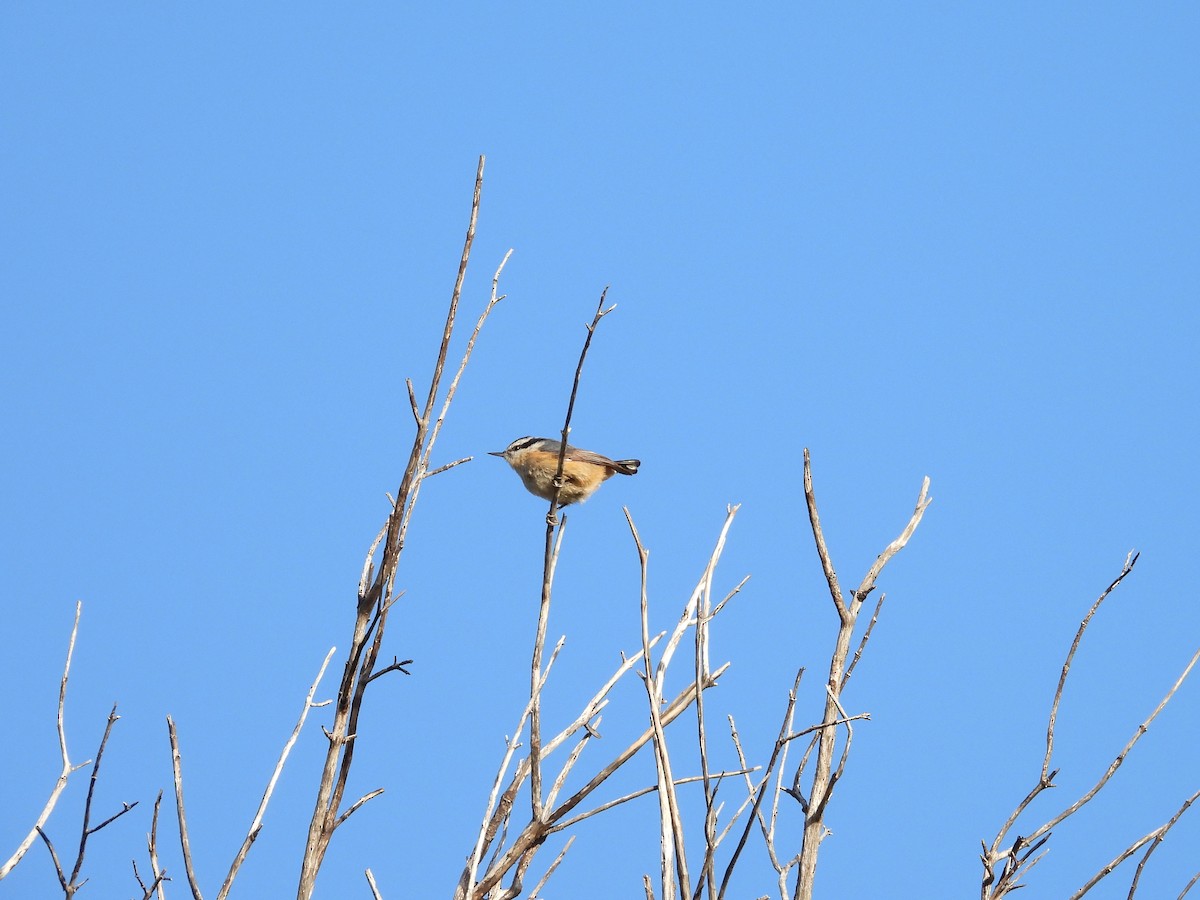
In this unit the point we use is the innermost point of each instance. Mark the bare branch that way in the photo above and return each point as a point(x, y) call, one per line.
point(67, 768)
point(1159, 835)
point(440, 469)
point(536, 832)
point(825, 777)
point(868, 582)
point(58, 869)
point(1016, 858)
point(256, 823)
point(396, 665)
point(1187, 888)
point(494, 816)
point(354, 807)
point(862, 645)
point(1130, 561)
point(412, 400)
point(85, 831)
point(156, 870)
point(780, 745)
point(554, 865)
point(996, 885)
point(1120, 758)
point(374, 888)
point(1154, 839)
point(814, 518)
point(649, 789)
point(672, 854)
point(375, 598)
point(549, 561)
point(184, 843)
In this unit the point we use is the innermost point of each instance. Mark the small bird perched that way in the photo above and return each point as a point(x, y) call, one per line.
point(536, 461)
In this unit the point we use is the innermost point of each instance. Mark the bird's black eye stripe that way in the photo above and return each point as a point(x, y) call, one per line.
point(524, 443)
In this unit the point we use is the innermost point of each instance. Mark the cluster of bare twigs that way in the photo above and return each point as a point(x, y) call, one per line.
point(1006, 864)
point(511, 857)
point(70, 882)
point(502, 852)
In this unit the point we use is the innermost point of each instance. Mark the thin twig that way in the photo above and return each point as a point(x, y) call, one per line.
point(1159, 835)
point(536, 832)
point(862, 645)
point(85, 830)
point(1138, 734)
point(374, 888)
point(256, 823)
point(554, 865)
point(997, 886)
point(649, 789)
point(993, 853)
point(357, 804)
point(157, 871)
point(780, 745)
point(1191, 884)
point(549, 559)
point(58, 869)
point(814, 518)
point(495, 815)
point(704, 614)
point(673, 859)
point(440, 469)
point(1154, 839)
point(1130, 561)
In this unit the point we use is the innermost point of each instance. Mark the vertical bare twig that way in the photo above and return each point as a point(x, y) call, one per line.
point(673, 858)
point(156, 870)
point(704, 614)
point(539, 642)
point(185, 843)
point(376, 592)
point(67, 768)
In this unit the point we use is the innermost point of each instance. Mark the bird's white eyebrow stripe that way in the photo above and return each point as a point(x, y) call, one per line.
point(524, 443)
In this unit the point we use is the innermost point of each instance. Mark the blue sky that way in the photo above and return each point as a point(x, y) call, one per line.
point(941, 240)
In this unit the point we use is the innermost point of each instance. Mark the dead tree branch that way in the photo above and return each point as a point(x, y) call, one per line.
point(825, 776)
point(71, 884)
point(1005, 866)
point(515, 857)
point(550, 558)
point(67, 768)
point(257, 823)
point(377, 592)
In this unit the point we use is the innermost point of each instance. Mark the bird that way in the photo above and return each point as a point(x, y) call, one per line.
point(535, 459)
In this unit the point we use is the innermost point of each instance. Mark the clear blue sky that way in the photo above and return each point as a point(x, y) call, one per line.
point(936, 239)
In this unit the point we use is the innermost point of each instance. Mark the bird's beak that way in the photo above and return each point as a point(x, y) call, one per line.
point(494, 453)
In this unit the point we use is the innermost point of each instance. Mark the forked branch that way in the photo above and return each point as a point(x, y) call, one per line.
point(825, 775)
point(1005, 866)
